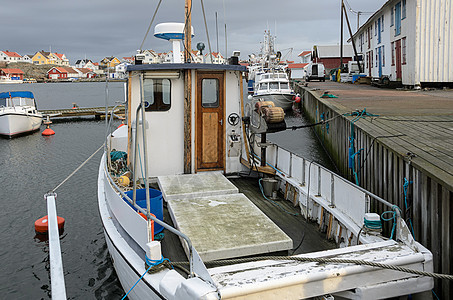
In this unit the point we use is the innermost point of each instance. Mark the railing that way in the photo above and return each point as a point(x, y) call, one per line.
point(196, 265)
point(346, 201)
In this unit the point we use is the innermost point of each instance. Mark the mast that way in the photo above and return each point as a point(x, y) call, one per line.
point(188, 90)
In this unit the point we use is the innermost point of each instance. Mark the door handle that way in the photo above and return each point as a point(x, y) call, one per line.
point(221, 121)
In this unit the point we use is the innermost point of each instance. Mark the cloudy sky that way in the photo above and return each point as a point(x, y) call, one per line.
point(98, 28)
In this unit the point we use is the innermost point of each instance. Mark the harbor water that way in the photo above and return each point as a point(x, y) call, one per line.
point(33, 165)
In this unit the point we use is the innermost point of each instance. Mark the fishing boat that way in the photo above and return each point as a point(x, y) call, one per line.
point(267, 78)
point(197, 204)
point(18, 114)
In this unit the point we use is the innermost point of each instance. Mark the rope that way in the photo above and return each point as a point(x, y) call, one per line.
point(149, 27)
point(405, 186)
point(393, 212)
point(78, 168)
point(326, 260)
point(150, 263)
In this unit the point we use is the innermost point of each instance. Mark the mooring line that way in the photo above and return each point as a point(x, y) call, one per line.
point(328, 260)
point(78, 168)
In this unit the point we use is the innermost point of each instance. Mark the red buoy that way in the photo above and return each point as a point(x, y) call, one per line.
point(41, 225)
point(48, 132)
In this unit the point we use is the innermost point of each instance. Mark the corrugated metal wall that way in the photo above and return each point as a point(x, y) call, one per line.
point(435, 40)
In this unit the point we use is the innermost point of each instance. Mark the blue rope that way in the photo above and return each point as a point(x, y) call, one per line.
point(273, 202)
point(151, 263)
point(393, 218)
point(136, 283)
point(405, 186)
point(372, 224)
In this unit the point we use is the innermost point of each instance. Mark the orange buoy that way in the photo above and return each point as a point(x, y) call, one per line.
point(48, 132)
point(42, 226)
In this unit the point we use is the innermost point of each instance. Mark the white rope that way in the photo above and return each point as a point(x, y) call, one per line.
point(78, 168)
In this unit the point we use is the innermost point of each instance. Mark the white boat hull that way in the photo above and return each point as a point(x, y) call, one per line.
point(12, 123)
point(284, 101)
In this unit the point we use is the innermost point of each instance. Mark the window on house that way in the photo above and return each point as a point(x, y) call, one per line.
point(157, 94)
point(383, 56)
point(398, 19)
point(392, 18)
point(377, 56)
point(371, 58)
point(403, 50)
point(382, 23)
point(392, 46)
point(371, 31)
point(403, 13)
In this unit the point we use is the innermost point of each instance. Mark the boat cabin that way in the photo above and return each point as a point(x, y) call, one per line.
point(187, 135)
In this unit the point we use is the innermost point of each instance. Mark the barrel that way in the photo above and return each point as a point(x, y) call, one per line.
point(156, 204)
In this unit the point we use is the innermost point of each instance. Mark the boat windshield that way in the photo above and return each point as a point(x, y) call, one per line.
point(263, 86)
point(284, 85)
point(23, 102)
point(273, 85)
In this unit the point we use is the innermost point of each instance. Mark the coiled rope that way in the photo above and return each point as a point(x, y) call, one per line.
point(326, 260)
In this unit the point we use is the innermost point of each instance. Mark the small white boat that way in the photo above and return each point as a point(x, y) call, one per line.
point(18, 114)
point(273, 85)
point(267, 78)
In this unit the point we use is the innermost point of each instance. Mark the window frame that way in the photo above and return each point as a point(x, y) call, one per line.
point(392, 46)
point(403, 51)
point(158, 105)
point(215, 104)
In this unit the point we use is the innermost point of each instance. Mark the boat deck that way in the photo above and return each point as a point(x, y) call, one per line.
point(232, 226)
point(291, 235)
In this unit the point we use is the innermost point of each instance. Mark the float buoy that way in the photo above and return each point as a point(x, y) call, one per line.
point(123, 180)
point(42, 225)
point(48, 131)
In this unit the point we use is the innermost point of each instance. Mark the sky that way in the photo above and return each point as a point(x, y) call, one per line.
point(95, 29)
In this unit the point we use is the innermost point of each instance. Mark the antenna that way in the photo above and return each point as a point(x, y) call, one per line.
point(217, 32)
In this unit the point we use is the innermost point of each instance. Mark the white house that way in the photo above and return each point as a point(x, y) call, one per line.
point(27, 58)
point(409, 41)
point(217, 58)
point(305, 56)
point(120, 71)
point(9, 56)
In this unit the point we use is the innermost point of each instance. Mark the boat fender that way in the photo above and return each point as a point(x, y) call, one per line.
point(123, 180)
point(273, 114)
point(42, 224)
point(48, 132)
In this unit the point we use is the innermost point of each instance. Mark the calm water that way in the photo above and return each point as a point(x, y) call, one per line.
point(32, 165)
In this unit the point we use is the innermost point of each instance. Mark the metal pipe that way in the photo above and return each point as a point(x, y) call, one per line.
point(134, 161)
point(56, 264)
point(145, 159)
point(155, 219)
point(263, 150)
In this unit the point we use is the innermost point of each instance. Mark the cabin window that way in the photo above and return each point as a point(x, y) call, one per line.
point(284, 85)
point(273, 85)
point(157, 94)
point(210, 92)
point(263, 86)
point(3, 102)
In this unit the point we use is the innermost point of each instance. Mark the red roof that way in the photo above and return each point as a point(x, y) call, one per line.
point(244, 64)
point(59, 55)
point(85, 70)
point(297, 66)
point(304, 53)
point(12, 54)
point(12, 71)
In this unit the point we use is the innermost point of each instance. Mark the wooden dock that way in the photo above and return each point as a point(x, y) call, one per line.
point(97, 112)
point(404, 154)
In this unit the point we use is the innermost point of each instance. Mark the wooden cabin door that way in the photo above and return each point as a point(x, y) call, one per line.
point(210, 99)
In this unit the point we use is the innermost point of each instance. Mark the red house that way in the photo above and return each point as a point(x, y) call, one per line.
point(12, 74)
point(57, 73)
